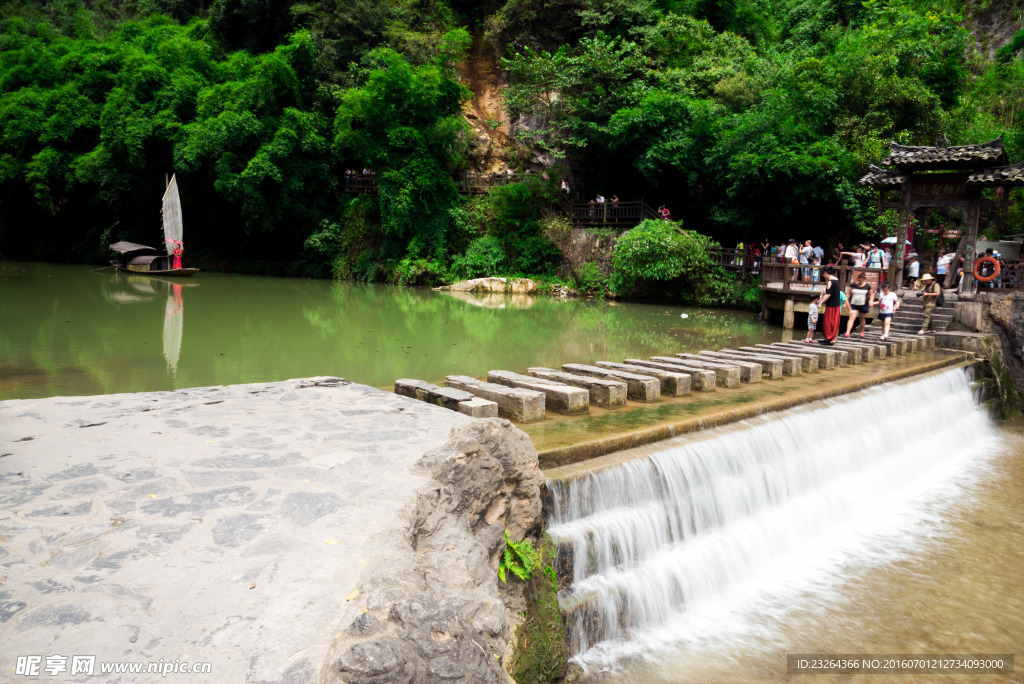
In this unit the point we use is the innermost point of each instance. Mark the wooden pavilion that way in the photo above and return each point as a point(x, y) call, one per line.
point(944, 176)
point(969, 176)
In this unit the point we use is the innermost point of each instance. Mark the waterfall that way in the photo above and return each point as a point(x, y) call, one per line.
point(654, 538)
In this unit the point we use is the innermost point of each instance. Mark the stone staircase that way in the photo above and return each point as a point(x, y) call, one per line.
point(911, 314)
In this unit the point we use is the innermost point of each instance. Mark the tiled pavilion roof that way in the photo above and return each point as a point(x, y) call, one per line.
point(882, 179)
point(908, 158)
point(1004, 175)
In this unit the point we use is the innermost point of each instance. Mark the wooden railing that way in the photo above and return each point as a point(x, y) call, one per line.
point(807, 279)
point(736, 260)
point(612, 213)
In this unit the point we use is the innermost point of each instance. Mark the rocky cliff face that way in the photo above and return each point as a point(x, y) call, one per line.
point(430, 607)
point(993, 23)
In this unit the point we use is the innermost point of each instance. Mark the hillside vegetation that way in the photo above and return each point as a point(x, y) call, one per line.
point(747, 117)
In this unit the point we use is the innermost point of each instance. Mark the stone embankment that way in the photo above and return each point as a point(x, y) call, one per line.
point(300, 531)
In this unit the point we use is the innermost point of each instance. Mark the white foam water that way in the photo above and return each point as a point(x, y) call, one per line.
point(684, 543)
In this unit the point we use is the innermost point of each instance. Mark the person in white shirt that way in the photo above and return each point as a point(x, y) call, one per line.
point(942, 265)
point(792, 254)
point(913, 271)
point(888, 304)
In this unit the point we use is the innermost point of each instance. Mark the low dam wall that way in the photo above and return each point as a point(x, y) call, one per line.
point(300, 531)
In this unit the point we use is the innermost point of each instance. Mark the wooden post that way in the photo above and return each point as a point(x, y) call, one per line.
point(903, 227)
point(971, 236)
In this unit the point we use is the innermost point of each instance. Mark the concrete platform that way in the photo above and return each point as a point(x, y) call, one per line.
point(226, 525)
point(558, 396)
point(701, 379)
point(749, 371)
point(514, 403)
point(638, 387)
point(725, 375)
point(673, 384)
point(603, 392)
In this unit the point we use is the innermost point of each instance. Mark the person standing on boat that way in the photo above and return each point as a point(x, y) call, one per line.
point(832, 303)
point(179, 247)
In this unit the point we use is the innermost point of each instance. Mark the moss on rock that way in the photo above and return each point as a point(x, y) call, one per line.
point(539, 654)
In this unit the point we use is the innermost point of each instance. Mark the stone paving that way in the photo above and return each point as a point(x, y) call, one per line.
point(222, 524)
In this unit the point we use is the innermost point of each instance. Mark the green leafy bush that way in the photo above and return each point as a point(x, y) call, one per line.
point(411, 271)
point(485, 257)
point(588, 279)
point(659, 251)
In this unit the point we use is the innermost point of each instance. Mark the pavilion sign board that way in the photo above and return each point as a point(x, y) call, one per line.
point(940, 190)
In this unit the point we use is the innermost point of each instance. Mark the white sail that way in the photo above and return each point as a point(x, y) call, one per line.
point(173, 227)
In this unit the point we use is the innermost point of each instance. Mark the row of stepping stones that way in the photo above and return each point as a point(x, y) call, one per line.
point(571, 390)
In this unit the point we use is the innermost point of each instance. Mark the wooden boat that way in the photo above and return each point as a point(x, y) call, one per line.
point(136, 258)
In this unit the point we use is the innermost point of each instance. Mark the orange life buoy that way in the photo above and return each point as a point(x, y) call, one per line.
point(995, 269)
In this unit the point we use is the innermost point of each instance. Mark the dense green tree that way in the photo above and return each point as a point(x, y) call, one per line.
point(405, 124)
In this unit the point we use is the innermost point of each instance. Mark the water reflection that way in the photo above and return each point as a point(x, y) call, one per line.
point(174, 322)
point(493, 300)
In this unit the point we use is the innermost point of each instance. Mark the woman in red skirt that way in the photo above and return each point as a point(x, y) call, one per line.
point(832, 302)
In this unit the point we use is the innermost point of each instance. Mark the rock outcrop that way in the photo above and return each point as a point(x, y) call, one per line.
point(1003, 316)
point(509, 285)
point(431, 608)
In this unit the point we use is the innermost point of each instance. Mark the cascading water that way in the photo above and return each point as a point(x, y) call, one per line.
point(653, 539)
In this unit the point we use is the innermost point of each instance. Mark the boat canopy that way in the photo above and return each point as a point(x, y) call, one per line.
point(125, 247)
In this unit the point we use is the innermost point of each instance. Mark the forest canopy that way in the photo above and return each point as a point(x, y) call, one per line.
point(749, 117)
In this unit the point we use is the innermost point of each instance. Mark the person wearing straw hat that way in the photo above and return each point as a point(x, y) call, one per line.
point(931, 293)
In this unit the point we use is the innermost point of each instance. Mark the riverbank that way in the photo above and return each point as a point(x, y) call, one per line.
point(276, 532)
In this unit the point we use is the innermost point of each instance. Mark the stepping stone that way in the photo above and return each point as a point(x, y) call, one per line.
point(558, 397)
point(478, 408)
point(859, 354)
point(897, 345)
point(828, 357)
point(748, 372)
point(772, 367)
point(877, 351)
point(725, 375)
point(891, 347)
point(843, 357)
point(514, 403)
point(638, 387)
point(808, 363)
point(700, 379)
point(672, 384)
point(603, 392)
point(449, 398)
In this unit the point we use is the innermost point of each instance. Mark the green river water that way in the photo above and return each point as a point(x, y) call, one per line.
point(68, 330)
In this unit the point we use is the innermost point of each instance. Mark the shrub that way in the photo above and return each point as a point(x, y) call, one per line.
point(410, 271)
point(660, 251)
point(485, 257)
point(536, 255)
point(589, 279)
